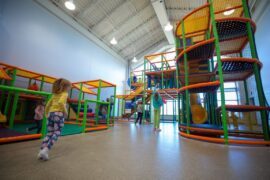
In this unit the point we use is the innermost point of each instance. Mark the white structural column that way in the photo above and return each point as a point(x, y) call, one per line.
point(160, 10)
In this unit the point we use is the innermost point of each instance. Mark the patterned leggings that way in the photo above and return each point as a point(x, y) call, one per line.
point(54, 127)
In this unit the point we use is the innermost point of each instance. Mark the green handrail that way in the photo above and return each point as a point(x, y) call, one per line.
point(177, 44)
point(9, 95)
point(114, 105)
point(79, 103)
point(186, 78)
point(220, 73)
point(257, 73)
point(98, 99)
point(21, 90)
point(144, 88)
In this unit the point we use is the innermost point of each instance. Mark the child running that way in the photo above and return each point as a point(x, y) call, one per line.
point(56, 112)
point(39, 112)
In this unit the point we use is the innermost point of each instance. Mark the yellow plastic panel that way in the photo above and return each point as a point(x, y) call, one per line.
point(95, 83)
point(26, 74)
point(84, 89)
point(47, 79)
point(237, 13)
point(105, 84)
point(196, 21)
point(121, 96)
point(197, 39)
point(221, 5)
point(151, 57)
point(4, 75)
point(135, 93)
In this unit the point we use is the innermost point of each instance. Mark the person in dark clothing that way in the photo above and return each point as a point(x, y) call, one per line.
point(140, 112)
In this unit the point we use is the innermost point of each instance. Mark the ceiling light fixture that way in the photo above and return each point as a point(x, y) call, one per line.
point(229, 12)
point(134, 60)
point(70, 5)
point(113, 41)
point(168, 27)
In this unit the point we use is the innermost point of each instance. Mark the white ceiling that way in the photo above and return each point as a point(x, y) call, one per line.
point(176, 9)
point(134, 23)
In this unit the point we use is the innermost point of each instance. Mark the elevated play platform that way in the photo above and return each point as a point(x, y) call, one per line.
point(209, 44)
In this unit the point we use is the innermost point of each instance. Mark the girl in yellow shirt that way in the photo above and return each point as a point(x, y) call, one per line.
point(56, 112)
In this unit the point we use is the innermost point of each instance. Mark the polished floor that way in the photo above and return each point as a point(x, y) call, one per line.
point(131, 152)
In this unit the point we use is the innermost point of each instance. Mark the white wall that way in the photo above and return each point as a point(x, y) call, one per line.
point(262, 37)
point(33, 38)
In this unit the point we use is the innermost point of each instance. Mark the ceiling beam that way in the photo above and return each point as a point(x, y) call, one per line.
point(137, 28)
point(260, 7)
point(160, 10)
point(119, 26)
point(161, 46)
point(86, 8)
point(176, 13)
point(141, 38)
point(143, 51)
point(140, 28)
point(109, 14)
point(186, 10)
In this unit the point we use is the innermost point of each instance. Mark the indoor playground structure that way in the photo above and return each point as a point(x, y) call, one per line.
point(135, 95)
point(81, 109)
point(210, 42)
point(18, 100)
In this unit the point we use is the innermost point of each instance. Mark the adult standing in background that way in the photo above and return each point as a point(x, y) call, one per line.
point(140, 112)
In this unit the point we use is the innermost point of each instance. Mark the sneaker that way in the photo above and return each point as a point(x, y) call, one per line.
point(39, 155)
point(44, 154)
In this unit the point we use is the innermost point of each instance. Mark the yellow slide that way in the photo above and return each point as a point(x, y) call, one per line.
point(136, 92)
point(3, 118)
point(199, 114)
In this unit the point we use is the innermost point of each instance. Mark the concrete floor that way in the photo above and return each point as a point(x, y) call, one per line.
point(134, 152)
